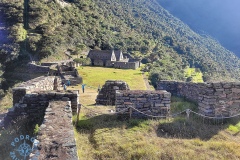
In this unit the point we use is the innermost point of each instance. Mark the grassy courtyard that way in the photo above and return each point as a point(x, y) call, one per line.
point(94, 76)
point(101, 135)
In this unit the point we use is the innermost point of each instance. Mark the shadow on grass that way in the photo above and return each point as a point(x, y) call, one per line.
point(179, 127)
point(194, 127)
point(107, 121)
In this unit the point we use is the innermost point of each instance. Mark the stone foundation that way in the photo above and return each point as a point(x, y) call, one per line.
point(214, 99)
point(107, 94)
point(155, 103)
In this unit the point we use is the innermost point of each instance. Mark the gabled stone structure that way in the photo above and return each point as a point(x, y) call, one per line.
point(111, 58)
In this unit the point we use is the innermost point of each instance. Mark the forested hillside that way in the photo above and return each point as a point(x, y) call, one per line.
point(142, 28)
point(216, 18)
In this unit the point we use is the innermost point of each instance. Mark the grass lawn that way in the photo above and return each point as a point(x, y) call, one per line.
point(94, 76)
point(100, 135)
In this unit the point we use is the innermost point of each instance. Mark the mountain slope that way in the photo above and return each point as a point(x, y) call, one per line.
point(142, 28)
point(217, 18)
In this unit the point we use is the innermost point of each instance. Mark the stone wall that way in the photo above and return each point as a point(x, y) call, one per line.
point(106, 96)
point(69, 72)
point(117, 64)
point(33, 100)
point(56, 136)
point(34, 104)
point(187, 90)
point(43, 83)
point(98, 62)
point(156, 103)
point(49, 63)
point(126, 65)
point(214, 99)
point(32, 67)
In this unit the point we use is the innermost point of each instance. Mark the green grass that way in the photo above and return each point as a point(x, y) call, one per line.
point(194, 74)
point(179, 104)
point(103, 136)
point(6, 102)
point(235, 129)
point(94, 76)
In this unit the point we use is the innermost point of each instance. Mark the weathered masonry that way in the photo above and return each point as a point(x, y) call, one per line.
point(107, 94)
point(41, 101)
point(220, 99)
point(155, 103)
point(56, 134)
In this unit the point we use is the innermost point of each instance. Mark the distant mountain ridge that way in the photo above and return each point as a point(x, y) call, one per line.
point(143, 28)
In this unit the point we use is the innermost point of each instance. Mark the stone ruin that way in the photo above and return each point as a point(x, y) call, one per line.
point(107, 94)
point(218, 99)
point(154, 103)
point(57, 134)
point(51, 109)
point(65, 69)
point(69, 72)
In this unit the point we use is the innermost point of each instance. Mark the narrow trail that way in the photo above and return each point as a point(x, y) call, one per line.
point(148, 86)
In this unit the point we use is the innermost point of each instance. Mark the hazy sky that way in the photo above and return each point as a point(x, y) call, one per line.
point(219, 18)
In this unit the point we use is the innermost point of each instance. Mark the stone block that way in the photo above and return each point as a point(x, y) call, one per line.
point(236, 90)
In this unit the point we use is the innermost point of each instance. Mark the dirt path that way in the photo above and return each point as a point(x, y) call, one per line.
point(148, 86)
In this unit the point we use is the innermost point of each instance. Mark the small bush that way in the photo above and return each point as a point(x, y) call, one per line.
point(36, 129)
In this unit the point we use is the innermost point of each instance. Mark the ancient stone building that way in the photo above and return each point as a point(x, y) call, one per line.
point(107, 94)
point(153, 103)
point(111, 58)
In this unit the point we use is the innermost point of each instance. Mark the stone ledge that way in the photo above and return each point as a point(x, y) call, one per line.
point(56, 136)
